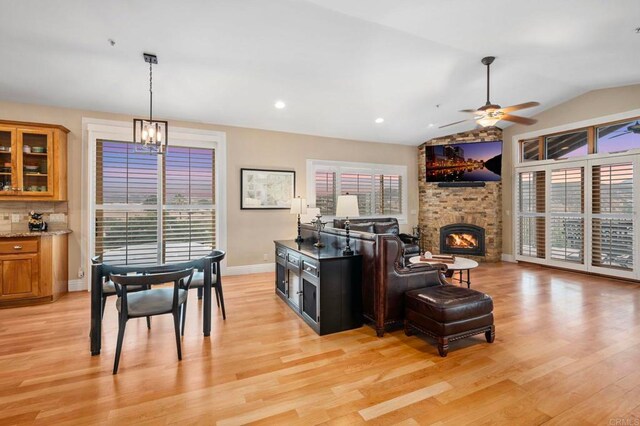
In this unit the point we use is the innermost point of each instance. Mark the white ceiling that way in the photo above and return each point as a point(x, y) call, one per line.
point(338, 64)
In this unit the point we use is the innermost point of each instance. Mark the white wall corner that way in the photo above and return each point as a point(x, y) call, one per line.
point(250, 269)
point(77, 285)
point(509, 258)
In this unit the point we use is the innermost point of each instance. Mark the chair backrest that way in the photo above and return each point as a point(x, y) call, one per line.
point(216, 256)
point(177, 277)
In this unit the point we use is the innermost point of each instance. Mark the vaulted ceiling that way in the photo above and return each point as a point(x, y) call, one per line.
point(337, 64)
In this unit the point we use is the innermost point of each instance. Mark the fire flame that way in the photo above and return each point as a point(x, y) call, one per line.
point(462, 240)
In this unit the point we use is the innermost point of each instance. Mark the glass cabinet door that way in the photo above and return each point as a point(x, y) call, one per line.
point(35, 162)
point(8, 175)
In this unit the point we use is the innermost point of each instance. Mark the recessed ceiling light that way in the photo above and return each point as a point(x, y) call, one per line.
point(431, 124)
point(379, 120)
point(280, 105)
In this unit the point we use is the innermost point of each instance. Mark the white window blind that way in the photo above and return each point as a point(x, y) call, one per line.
point(388, 199)
point(126, 197)
point(531, 214)
point(567, 214)
point(612, 216)
point(362, 186)
point(325, 186)
point(188, 227)
point(150, 208)
point(380, 188)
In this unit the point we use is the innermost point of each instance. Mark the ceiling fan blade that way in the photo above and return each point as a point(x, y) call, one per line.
point(454, 123)
point(472, 111)
point(619, 134)
point(511, 108)
point(518, 119)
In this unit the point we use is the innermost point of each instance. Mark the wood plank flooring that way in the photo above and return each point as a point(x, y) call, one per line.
point(567, 351)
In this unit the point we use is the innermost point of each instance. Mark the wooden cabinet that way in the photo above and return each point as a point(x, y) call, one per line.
point(321, 285)
point(33, 269)
point(33, 161)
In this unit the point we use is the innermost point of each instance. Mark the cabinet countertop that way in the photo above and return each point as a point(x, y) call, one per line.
point(34, 234)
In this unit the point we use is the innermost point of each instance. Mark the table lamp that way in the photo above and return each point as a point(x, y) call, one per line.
point(298, 206)
point(347, 207)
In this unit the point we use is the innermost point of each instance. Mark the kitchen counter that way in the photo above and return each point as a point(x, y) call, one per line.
point(34, 234)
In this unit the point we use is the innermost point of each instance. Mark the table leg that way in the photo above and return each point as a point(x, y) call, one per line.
point(468, 278)
point(206, 320)
point(96, 309)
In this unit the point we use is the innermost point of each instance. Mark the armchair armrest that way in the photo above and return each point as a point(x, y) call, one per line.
point(418, 268)
point(408, 239)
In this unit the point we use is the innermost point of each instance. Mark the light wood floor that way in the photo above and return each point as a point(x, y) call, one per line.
point(567, 351)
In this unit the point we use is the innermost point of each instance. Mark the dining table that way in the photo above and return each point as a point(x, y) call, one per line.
point(102, 267)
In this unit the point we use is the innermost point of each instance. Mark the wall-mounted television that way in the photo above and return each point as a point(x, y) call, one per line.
point(464, 162)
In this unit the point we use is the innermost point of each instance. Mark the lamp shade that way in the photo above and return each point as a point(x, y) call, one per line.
point(298, 206)
point(310, 216)
point(347, 206)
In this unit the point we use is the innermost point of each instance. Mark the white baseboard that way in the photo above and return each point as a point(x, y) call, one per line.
point(509, 258)
point(77, 285)
point(249, 269)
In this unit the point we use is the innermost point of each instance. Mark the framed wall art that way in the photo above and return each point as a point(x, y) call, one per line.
point(266, 189)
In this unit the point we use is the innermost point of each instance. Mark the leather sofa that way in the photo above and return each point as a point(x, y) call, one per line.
point(385, 279)
point(384, 225)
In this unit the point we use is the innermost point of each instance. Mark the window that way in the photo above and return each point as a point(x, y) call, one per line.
point(608, 138)
point(612, 215)
point(530, 149)
point(618, 137)
point(151, 208)
point(567, 214)
point(380, 188)
point(566, 145)
point(531, 214)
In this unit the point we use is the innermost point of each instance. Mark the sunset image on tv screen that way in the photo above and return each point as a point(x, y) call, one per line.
point(464, 162)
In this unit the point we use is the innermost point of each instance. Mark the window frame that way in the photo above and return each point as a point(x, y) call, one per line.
point(340, 167)
point(96, 129)
point(592, 142)
point(587, 214)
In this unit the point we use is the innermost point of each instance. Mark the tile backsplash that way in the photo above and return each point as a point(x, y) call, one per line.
point(21, 209)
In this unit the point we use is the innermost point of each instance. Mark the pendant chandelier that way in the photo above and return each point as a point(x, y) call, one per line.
point(150, 135)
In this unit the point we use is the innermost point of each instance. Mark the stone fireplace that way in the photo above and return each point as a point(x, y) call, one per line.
point(462, 238)
point(477, 207)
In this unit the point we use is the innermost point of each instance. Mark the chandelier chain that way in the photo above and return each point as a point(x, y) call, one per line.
point(150, 91)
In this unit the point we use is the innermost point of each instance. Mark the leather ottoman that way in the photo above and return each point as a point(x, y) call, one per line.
point(448, 313)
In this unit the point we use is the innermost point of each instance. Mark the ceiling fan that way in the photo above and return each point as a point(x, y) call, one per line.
point(634, 128)
point(489, 114)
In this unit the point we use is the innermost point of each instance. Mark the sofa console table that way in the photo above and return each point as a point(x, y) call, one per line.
point(321, 285)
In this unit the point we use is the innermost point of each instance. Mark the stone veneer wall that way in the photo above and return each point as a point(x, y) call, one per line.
point(481, 206)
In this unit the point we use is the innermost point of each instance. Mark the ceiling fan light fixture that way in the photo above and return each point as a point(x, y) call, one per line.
point(488, 121)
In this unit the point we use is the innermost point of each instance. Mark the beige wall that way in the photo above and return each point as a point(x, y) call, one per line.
point(591, 105)
point(250, 234)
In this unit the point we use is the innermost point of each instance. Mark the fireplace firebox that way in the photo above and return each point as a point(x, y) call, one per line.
point(462, 238)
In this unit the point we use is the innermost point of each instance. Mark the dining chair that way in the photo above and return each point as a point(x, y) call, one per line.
point(151, 302)
point(216, 256)
point(109, 289)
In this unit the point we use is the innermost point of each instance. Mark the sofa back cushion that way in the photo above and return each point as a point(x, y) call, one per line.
point(363, 227)
point(386, 228)
point(339, 222)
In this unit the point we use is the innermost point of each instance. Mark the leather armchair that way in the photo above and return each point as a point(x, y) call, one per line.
point(385, 278)
point(411, 246)
point(395, 280)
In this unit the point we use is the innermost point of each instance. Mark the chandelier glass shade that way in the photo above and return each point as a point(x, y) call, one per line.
point(150, 135)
